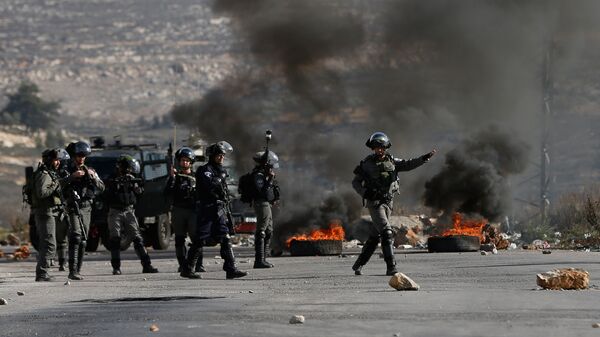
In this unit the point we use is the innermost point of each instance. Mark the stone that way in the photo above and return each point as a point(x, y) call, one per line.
point(545, 252)
point(596, 325)
point(402, 282)
point(154, 328)
point(20, 293)
point(13, 240)
point(483, 252)
point(567, 278)
point(297, 319)
point(487, 247)
point(3, 301)
point(68, 283)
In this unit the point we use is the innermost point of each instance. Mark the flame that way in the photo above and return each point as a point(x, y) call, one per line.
point(335, 232)
point(465, 227)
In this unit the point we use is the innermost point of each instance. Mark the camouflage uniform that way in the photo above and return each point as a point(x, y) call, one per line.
point(46, 206)
point(122, 193)
point(376, 180)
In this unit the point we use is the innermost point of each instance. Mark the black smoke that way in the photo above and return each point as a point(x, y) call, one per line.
point(474, 178)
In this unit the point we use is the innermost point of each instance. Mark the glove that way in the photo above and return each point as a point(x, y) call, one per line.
point(428, 155)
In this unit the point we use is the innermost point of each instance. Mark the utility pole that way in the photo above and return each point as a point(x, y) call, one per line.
point(546, 117)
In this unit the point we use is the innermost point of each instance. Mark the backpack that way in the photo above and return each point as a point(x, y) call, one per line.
point(246, 188)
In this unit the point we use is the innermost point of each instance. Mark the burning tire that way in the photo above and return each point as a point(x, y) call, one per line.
point(453, 243)
point(315, 247)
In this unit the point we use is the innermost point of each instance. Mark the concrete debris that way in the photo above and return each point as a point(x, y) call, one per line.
point(13, 240)
point(402, 282)
point(154, 328)
point(567, 278)
point(3, 301)
point(596, 325)
point(20, 293)
point(297, 319)
point(546, 252)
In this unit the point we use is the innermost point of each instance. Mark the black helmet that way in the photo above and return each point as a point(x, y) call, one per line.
point(51, 154)
point(378, 139)
point(185, 152)
point(81, 149)
point(271, 160)
point(221, 147)
point(127, 163)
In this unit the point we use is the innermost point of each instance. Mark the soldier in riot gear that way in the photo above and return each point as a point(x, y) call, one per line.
point(266, 193)
point(214, 217)
point(46, 206)
point(122, 192)
point(376, 180)
point(82, 187)
point(181, 189)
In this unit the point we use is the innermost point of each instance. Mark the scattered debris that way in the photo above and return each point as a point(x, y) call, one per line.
point(3, 301)
point(145, 279)
point(491, 235)
point(154, 328)
point(251, 291)
point(1, 253)
point(297, 319)
point(596, 325)
point(22, 253)
point(13, 240)
point(68, 283)
point(402, 282)
point(487, 247)
point(567, 278)
point(546, 252)
point(20, 293)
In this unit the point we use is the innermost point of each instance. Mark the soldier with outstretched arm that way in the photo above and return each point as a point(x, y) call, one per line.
point(376, 181)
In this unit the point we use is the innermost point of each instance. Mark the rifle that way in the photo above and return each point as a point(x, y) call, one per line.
point(268, 136)
point(75, 209)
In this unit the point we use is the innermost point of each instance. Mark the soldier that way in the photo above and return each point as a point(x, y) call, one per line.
point(181, 189)
point(46, 206)
point(214, 218)
point(376, 180)
point(122, 193)
point(266, 194)
point(82, 187)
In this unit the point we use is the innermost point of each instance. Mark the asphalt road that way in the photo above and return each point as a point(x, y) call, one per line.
point(461, 295)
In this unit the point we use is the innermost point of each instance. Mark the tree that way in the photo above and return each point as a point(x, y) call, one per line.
point(26, 107)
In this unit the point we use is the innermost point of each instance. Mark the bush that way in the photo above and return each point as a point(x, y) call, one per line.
point(26, 107)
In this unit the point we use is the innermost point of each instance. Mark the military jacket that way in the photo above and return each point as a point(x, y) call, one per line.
point(85, 188)
point(46, 189)
point(211, 184)
point(181, 188)
point(122, 191)
point(378, 179)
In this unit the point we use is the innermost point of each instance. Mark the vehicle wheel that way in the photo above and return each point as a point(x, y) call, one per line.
point(33, 235)
point(93, 239)
point(453, 243)
point(315, 247)
point(161, 232)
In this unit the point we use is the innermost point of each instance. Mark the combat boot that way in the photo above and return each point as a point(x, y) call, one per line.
point(73, 260)
point(365, 254)
point(142, 253)
point(259, 252)
point(180, 251)
point(266, 249)
point(80, 255)
point(61, 264)
point(116, 265)
point(44, 278)
point(387, 249)
point(231, 270)
point(191, 261)
point(199, 264)
point(115, 255)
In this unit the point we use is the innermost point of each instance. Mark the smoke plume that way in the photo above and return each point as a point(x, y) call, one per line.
point(473, 179)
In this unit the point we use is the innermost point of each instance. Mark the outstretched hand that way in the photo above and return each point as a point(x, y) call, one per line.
point(428, 155)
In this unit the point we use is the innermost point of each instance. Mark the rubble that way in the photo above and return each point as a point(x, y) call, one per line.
point(22, 253)
point(20, 293)
point(13, 240)
point(1, 253)
point(596, 325)
point(567, 278)
point(297, 319)
point(3, 301)
point(546, 252)
point(154, 328)
point(402, 282)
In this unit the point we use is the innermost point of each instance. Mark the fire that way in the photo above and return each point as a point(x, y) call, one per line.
point(465, 227)
point(335, 232)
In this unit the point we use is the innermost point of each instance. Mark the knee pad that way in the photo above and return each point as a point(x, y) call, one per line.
point(261, 234)
point(387, 236)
